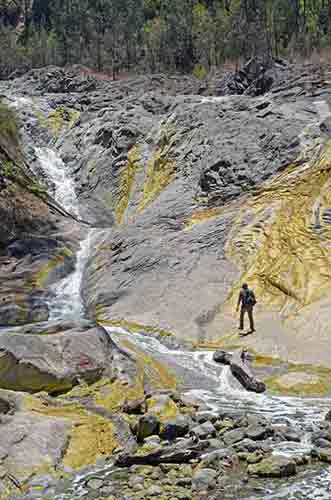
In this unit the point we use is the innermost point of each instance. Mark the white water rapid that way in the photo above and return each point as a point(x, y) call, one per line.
point(65, 302)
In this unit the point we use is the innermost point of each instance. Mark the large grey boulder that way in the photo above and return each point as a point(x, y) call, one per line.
point(30, 441)
point(53, 362)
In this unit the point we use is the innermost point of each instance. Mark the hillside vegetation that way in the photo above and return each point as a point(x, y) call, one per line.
point(157, 35)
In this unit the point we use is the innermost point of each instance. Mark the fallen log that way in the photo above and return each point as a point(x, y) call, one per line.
point(167, 455)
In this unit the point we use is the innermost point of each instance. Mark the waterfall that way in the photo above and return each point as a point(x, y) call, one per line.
point(65, 302)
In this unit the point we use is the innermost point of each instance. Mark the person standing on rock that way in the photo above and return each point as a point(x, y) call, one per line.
point(247, 301)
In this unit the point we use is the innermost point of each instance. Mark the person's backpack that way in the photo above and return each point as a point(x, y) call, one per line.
point(249, 298)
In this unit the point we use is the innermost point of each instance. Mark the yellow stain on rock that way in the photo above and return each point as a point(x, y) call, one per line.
point(160, 169)
point(281, 242)
point(203, 215)
point(57, 120)
point(91, 435)
point(158, 375)
point(40, 278)
point(127, 182)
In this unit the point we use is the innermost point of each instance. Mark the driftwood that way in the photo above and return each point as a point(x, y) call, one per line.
point(167, 455)
point(240, 369)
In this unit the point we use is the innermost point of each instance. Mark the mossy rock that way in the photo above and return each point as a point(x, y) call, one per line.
point(162, 406)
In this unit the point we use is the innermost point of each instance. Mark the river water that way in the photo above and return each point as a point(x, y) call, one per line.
point(202, 377)
point(65, 302)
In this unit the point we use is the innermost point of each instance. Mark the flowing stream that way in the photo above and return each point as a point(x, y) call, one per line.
point(202, 377)
point(65, 302)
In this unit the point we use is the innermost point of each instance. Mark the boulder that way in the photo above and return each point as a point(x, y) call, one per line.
point(52, 362)
point(232, 437)
point(249, 446)
point(147, 425)
point(30, 441)
point(273, 466)
point(258, 432)
point(204, 430)
point(176, 427)
point(204, 479)
point(322, 454)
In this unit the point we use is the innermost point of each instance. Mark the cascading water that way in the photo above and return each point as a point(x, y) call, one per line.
point(65, 302)
point(201, 376)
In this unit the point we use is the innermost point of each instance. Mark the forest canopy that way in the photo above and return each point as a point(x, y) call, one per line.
point(157, 35)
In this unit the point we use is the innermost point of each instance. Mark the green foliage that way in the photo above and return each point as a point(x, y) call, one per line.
point(157, 35)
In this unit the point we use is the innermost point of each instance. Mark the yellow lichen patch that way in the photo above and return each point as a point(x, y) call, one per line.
point(133, 327)
point(160, 169)
point(91, 436)
point(163, 411)
point(158, 375)
point(113, 395)
point(200, 216)
point(281, 241)
point(262, 361)
point(58, 119)
point(300, 383)
point(127, 180)
point(40, 278)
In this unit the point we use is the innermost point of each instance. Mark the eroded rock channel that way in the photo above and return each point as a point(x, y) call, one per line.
point(130, 217)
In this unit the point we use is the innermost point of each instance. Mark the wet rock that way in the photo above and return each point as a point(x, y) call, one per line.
point(216, 459)
point(291, 435)
point(322, 454)
point(222, 357)
point(95, 484)
point(234, 436)
point(204, 479)
point(258, 432)
point(243, 374)
point(204, 430)
point(147, 426)
point(175, 428)
point(249, 446)
point(328, 416)
point(273, 467)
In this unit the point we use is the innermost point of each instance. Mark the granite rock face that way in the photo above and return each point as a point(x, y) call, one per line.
point(195, 194)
